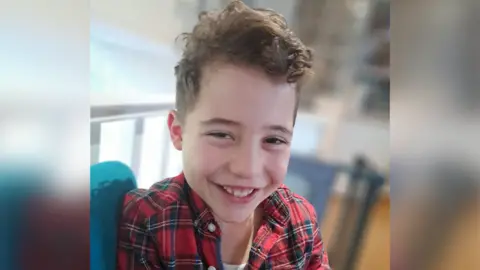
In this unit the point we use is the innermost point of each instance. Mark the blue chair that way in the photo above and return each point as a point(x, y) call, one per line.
point(109, 182)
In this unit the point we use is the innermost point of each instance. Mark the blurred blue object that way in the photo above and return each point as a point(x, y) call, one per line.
point(18, 183)
point(13, 203)
point(312, 179)
point(109, 182)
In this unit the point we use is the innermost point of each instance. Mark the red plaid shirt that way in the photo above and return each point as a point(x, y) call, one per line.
point(170, 227)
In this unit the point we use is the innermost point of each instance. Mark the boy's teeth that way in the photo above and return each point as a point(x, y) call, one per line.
point(238, 192)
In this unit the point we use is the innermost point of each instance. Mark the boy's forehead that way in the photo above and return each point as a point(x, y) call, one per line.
point(245, 95)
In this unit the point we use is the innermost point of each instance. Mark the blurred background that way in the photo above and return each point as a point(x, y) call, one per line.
point(341, 139)
point(82, 83)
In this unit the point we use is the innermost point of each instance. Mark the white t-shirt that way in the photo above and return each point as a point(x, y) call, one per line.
point(234, 267)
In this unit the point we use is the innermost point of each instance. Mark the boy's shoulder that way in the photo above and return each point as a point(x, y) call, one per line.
point(299, 208)
point(158, 197)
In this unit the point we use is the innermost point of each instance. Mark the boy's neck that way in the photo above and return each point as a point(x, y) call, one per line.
point(237, 238)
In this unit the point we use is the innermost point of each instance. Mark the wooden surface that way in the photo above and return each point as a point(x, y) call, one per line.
point(375, 251)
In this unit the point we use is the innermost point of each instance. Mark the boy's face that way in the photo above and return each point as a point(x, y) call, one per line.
point(236, 140)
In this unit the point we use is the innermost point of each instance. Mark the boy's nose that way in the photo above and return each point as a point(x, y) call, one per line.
point(246, 162)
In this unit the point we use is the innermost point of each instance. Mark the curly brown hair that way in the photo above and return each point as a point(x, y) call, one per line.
point(240, 35)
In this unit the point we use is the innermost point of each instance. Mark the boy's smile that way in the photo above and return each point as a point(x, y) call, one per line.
point(237, 195)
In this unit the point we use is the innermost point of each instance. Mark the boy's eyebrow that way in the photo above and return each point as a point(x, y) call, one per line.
point(228, 122)
point(220, 121)
point(280, 129)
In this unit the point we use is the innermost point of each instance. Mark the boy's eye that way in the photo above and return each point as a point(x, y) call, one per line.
point(275, 141)
point(220, 135)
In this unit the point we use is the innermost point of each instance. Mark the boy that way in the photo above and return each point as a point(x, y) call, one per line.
point(237, 95)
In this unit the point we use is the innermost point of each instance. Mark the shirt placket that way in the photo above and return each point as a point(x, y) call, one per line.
point(209, 237)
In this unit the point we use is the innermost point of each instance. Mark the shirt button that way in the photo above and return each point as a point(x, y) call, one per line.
point(211, 228)
point(211, 268)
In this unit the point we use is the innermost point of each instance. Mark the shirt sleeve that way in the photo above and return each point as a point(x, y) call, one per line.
point(136, 248)
point(319, 258)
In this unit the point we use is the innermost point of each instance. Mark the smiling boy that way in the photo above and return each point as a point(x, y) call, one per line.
point(237, 96)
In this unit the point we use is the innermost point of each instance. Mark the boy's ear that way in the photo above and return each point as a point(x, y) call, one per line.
point(175, 128)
